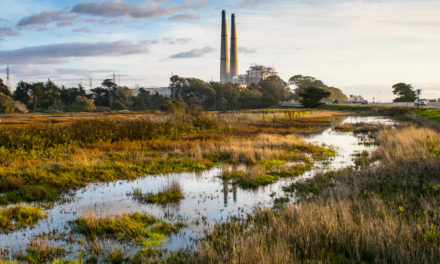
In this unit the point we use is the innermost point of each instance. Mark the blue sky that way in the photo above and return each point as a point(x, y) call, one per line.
point(360, 46)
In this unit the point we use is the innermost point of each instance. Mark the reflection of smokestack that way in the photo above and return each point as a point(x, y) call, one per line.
point(234, 55)
point(225, 192)
point(224, 59)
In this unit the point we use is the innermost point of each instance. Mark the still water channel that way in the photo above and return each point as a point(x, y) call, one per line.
point(208, 199)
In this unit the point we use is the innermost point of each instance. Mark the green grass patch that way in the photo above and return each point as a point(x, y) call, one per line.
point(430, 114)
point(137, 227)
point(169, 194)
point(268, 164)
point(292, 171)
point(250, 179)
point(16, 217)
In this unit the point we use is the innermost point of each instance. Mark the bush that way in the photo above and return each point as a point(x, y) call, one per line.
point(7, 105)
point(85, 104)
point(20, 107)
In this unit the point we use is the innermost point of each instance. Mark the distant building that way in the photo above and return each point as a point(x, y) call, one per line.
point(355, 98)
point(163, 91)
point(254, 75)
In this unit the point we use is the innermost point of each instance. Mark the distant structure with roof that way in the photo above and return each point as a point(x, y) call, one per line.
point(254, 75)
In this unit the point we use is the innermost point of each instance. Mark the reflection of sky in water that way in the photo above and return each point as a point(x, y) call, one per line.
point(206, 195)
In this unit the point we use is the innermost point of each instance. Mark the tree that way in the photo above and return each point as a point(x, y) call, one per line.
point(305, 82)
point(312, 96)
point(6, 104)
point(84, 104)
point(101, 96)
point(227, 95)
point(38, 95)
point(405, 92)
point(23, 93)
point(250, 98)
point(36, 91)
point(4, 89)
point(192, 91)
point(122, 98)
point(68, 95)
point(51, 96)
point(335, 94)
point(143, 100)
point(274, 91)
point(111, 87)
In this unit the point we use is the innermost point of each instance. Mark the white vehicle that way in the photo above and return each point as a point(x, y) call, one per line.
point(419, 102)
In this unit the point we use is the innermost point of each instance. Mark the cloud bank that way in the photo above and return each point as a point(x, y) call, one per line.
point(246, 50)
point(59, 53)
point(61, 18)
point(184, 17)
point(194, 53)
point(8, 32)
point(148, 9)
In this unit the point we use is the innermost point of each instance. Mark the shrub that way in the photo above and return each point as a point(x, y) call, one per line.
point(6, 104)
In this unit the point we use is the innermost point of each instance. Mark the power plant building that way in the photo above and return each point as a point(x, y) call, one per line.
point(254, 75)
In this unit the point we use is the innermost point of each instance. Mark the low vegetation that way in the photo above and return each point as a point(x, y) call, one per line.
point(171, 193)
point(137, 227)
point(19, 216)
point(142, 232)
point(40, 251)
point(42, 161)
point(430, 114)
point(383, 210)
point(387, 213)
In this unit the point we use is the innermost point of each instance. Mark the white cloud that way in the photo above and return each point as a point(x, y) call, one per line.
point(194, 53)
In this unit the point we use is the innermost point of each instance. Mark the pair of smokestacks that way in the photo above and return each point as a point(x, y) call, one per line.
point(228, 71)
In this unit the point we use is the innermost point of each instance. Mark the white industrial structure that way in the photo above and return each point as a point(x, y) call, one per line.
point(254, 75)
point(162, 91)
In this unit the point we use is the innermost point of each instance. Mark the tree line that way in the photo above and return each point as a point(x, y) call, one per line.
point(48, 97)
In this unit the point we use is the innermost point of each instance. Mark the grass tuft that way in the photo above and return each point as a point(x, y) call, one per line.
point(13, 218)
point(171, 193)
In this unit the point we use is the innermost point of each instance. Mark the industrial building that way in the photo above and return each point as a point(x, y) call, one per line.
point(254, 75)
point(162, 91)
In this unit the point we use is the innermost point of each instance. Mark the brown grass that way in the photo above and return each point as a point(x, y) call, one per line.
point(386, 213)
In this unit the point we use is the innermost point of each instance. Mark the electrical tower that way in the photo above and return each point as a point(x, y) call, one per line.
point(8, 77)
point(114, 77)
point(91, 83)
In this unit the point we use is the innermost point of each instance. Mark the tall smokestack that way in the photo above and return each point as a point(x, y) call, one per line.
point(234, 55)
point(224, 58)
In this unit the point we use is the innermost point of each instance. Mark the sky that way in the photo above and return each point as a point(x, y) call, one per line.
point(362, 47)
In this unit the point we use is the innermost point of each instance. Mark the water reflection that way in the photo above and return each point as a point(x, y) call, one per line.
point(226, 192)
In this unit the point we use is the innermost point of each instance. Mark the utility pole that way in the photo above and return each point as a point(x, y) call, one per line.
point(8, 78)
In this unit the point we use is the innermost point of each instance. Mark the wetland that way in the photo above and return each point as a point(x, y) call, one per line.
point(199, 187)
